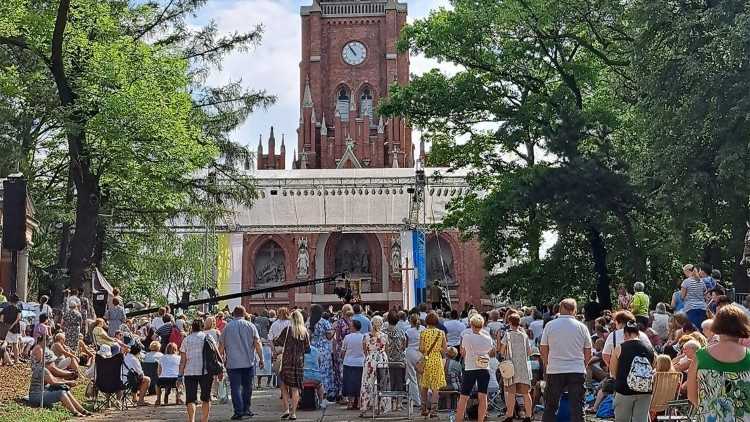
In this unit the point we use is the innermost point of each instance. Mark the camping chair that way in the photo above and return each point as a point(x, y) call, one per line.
point(108, 382)
point(149, 370)
point(678, 410)
point(666, 389)
point(391, 383)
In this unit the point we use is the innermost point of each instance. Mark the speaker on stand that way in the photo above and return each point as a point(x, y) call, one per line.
point(14, 223)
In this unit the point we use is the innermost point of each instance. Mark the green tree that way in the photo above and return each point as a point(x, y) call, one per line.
point(544, 76)
point(138, 134)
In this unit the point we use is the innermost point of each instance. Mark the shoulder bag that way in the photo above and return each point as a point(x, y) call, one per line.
point(419, 366)
point(507, 370)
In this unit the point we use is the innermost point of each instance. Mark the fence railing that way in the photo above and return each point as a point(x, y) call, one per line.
point(358, 9)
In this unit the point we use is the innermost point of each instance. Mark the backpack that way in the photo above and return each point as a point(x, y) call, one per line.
point(175, 336)
point(212, 364)
point(640, 376)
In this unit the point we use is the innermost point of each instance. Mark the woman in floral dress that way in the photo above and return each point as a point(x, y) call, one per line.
point(322, 334)
point(719, 377)
point(374, 344)
point(341, 328)
point(72, 320)
point(295, 339)
point(433, 377)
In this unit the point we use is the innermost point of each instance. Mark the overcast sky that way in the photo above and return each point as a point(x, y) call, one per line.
point(274, 65)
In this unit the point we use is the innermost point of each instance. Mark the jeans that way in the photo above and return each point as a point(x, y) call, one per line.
point(241, 386)
point(632, 408)
point(697, 316)
point(556, 384)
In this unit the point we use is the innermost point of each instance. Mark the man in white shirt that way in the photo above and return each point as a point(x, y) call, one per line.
point(537, 325)
point(454, 327)
point(618, 336)
point(158, 320)
point(565, 347)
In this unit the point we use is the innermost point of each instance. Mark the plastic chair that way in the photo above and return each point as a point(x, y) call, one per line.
point(391, 383)
point(149, 370)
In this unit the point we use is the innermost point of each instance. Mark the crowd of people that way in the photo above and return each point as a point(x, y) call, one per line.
point(465, 361)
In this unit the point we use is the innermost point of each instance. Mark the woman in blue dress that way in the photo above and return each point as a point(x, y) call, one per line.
point(322, 334)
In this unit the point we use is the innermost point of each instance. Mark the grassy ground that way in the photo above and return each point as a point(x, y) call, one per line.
point(14, 385)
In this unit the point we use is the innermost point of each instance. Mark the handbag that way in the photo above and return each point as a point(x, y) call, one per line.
point(481, 361)
point(422, 363)
point(276, 365)
point(507, 370)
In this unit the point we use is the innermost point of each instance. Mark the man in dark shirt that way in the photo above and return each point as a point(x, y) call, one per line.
point(164, 331)
point(11, 318)
point(263, 324)
point(591, 311)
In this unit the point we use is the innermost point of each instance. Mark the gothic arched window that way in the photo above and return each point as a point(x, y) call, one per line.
point(342, 103)
point(365, 102)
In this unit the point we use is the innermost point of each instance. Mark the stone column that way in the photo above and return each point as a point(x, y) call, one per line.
point(22, 281)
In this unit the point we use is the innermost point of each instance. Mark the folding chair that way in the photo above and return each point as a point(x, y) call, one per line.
point(678, 410)
point(496, 400)
point(666, 389)
point(108, 382)
point(391, 383)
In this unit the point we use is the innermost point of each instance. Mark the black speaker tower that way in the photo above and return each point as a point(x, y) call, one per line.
point(14, 214)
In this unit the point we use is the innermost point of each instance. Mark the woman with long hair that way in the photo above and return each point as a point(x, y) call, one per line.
point(341, 328)
point(432, 343)
point(295, 340)
point(321, 332)
point(374, 345)
point(693, 294)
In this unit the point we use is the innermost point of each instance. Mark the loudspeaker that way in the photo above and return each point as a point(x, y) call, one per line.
point(100, 304)
point(185, 297)
point(14, 214)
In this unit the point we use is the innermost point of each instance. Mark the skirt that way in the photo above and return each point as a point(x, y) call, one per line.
point(351, 385)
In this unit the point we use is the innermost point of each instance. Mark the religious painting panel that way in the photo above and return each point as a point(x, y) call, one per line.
point(270, 265)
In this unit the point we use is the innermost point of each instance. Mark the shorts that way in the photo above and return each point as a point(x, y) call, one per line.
point(191, 388)
point(480, 377)
point(50, 397)
point(63, 364)
point(167, 382)
point(12, 338)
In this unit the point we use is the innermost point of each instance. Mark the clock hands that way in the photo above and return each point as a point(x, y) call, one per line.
point(352, 50)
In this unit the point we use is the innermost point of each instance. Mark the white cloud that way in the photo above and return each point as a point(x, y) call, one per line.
point(274, 64)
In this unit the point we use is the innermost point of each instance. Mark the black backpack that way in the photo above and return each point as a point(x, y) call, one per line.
point(212, 363)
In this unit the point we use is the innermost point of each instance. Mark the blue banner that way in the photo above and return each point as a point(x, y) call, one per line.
point(420, 266)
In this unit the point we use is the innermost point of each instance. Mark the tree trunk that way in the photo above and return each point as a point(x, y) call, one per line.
point(741, 259)
point(61, 274)
point(599, 255)
point(85, 237)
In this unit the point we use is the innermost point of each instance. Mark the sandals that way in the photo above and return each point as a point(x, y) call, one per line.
point(286, 415)
point(591, 411)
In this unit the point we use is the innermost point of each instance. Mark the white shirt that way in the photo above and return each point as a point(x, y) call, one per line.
point(354, 355)
point(494, 327)
point(152, 357)
point(454, 327)
point(413, 335)
point(537, 327)
point(71, 299)
point(566, 338)
point(609, 347)
point(157, 322)
point(130, 362)
point(277, 327)
point(170, 366)
point(192, 346)
point(476, 345)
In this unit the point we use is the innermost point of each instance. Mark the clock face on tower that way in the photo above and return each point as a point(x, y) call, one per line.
point(354, 53)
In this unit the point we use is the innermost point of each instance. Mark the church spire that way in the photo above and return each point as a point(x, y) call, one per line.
point(283, 147)
point(272, 138)
point(313, 118)
point(260, 142)
point(307, 97)
point(323, 127)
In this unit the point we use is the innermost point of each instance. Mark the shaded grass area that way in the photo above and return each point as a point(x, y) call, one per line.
point(14, 386)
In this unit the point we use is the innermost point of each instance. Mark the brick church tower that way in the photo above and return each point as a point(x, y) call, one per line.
point(349, 60)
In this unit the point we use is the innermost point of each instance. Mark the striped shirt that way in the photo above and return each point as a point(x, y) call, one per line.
point(695, 298)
